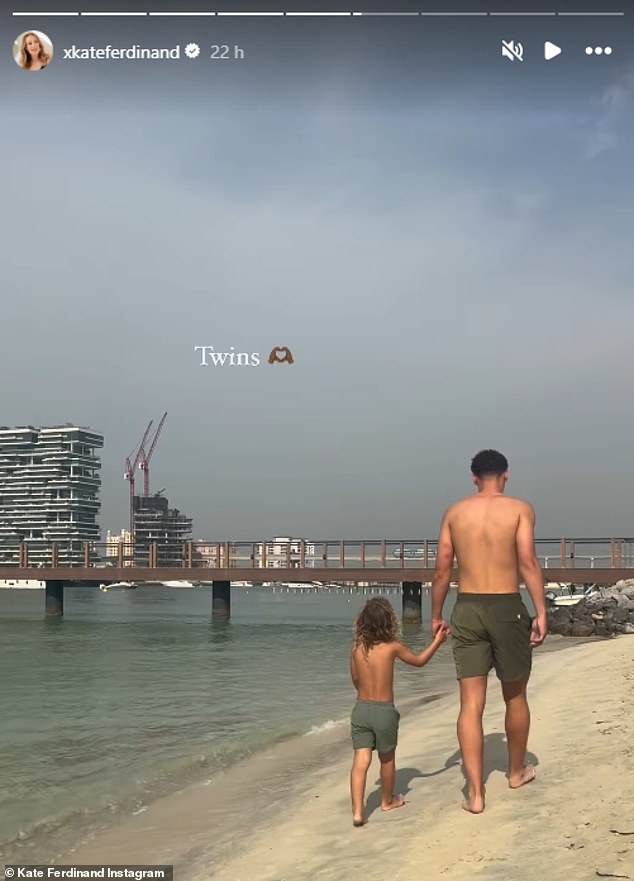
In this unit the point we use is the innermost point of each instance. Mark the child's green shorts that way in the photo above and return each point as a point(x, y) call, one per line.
point(374, 725)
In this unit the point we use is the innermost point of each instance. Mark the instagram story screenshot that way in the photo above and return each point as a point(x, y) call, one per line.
point(316, 461)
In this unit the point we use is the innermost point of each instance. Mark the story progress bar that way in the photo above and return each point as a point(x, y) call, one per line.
point(37, 14)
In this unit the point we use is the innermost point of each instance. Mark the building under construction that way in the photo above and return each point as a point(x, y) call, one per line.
point(152, 521)
point(155, 523)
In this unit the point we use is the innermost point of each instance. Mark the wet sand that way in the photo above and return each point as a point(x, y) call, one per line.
point(285, 814)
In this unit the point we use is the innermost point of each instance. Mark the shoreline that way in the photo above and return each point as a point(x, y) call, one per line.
point(203, 828)
point(574, 821)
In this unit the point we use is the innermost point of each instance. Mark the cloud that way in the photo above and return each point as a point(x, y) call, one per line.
point(620, 93)
point(614, 101)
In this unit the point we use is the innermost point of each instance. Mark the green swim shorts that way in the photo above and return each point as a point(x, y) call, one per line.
point(491, 630)
point(374, 725)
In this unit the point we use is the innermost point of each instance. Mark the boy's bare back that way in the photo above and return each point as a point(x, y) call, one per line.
point(373, 673)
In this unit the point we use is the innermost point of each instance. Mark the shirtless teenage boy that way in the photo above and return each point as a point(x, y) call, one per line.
point(374, 721)
point(493, 538)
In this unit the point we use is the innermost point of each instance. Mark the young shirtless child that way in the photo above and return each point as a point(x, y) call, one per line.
point(374, 722)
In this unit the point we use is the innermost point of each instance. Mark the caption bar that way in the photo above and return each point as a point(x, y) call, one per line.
point(137, 873)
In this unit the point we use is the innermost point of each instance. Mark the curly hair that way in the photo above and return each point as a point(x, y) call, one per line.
point(376, 622)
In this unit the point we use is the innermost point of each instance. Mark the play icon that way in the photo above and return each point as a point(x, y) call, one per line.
point(551, 51)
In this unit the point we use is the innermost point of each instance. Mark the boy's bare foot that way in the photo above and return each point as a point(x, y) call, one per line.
point(397, 802)
point(526, 775)
point(357, 823)
point(474, 804)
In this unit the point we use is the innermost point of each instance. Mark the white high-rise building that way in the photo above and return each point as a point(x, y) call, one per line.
point(49, 492)
point(121, 542)
point(284, 551)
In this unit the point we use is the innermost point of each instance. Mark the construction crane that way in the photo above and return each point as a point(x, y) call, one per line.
point(144, 463)
point(130, 470)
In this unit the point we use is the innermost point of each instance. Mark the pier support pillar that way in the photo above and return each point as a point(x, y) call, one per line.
point(54, 598)
point(412, 601)
point(221, 599)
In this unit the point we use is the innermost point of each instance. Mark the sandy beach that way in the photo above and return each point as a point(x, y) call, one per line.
point(575, 821)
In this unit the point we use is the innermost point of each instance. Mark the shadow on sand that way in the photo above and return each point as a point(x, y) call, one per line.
point(495, 759)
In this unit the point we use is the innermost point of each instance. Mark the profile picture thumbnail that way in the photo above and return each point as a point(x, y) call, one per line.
point(33, 50)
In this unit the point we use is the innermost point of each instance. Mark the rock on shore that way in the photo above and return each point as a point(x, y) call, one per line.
point(605, 613)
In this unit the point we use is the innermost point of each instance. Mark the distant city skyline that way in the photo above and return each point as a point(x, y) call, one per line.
point(439, 235)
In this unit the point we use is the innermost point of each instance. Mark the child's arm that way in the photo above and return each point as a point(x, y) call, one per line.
point(353, 671)
point(425, 656)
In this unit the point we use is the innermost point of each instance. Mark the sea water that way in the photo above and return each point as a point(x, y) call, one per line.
point(137, 694)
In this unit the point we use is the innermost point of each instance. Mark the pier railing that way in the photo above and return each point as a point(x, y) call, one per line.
point(384, 554)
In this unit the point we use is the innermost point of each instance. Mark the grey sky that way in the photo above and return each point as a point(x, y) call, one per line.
point(451, 265)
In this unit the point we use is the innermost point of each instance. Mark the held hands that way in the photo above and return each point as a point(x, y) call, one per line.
point(440, 632)
point(437, 624)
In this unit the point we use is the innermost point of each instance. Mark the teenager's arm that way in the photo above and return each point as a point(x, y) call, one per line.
point(442, 576)
point(530, 571)
point(414, 660)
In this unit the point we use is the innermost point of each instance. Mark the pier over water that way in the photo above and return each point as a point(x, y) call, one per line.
point(406, 563)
